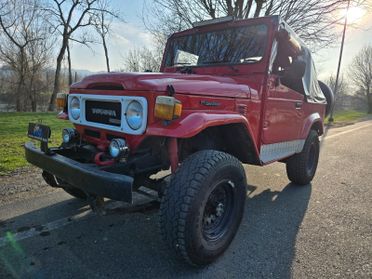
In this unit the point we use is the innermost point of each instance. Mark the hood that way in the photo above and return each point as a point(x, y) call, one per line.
point(183, 83)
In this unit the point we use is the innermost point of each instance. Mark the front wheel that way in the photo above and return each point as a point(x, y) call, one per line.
point(203, 205)
point(301, 167)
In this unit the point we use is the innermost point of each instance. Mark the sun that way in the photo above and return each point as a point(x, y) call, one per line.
point(354, 14)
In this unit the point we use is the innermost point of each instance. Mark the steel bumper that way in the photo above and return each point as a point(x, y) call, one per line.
point(86, 177)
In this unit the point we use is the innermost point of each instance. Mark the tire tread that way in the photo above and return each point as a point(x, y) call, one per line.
point(180, 193)
point(297, 164)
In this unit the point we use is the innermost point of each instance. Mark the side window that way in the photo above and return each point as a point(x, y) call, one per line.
point(288, 63)
point(282, 61)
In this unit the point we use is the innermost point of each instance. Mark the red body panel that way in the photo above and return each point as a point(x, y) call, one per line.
point(243, 93)
point(282, 119)
point(206, 85)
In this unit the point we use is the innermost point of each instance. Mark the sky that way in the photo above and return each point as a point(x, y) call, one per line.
point(357, 35)
point(124, 37)
point(133, 34)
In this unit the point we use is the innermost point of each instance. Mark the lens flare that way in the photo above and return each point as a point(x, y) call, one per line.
point(353, 14)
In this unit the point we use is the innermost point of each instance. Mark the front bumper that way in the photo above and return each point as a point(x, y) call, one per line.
point(87, 177)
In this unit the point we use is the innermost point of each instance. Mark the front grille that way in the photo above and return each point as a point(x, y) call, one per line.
point(108, 113)
point(110, 137)
point(93, 134)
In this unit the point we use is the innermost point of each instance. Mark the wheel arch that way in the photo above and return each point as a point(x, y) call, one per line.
point(233, 128)
point(312, 122)
point(233, 138)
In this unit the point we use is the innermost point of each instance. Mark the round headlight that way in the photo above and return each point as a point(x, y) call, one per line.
point(75, 108)
point(134, 115)
point(68, 134)
point(118, 147)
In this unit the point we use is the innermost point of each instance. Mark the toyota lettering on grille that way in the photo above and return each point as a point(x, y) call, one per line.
point(103, 112)
point(106, 112)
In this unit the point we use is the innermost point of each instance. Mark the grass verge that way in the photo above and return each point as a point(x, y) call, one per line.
point(13, 134)
point(348, 116)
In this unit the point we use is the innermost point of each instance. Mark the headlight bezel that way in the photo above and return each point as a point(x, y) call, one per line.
point(75, 112)
point(138, 125)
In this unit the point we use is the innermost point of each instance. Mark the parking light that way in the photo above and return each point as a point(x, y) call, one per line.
point(61, 100)
point(167, 108)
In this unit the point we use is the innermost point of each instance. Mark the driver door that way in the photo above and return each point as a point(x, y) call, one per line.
point(283, 114)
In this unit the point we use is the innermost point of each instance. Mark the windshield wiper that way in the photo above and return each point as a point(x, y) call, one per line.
point(185, 70)
point(211, 62)
point(182, 63)
point(250, 60)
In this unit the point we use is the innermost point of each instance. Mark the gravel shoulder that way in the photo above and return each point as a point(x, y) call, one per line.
point(24, 183)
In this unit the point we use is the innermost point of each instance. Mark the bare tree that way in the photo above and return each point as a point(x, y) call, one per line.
point(69, 64)
point(66, 17)
point(24, 46)
point(342, 92)
point(361, 73)
point(142, 60)
point(102, 22)
point(313, 20)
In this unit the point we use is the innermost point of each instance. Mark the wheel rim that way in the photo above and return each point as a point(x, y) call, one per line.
point(218, 211)
point(312, 158)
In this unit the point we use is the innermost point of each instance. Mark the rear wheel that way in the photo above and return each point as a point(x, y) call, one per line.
point(301, 167)
point(203, 205)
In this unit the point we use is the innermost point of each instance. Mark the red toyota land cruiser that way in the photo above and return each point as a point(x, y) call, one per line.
point(229, 92)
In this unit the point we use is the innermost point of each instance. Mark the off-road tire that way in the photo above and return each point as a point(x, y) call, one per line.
point(183, 222)
point(77, 193)
point(301, 167)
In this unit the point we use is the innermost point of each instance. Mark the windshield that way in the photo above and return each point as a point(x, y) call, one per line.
point(239, 45)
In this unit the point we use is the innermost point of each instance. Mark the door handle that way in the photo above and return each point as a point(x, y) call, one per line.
point(298, 105)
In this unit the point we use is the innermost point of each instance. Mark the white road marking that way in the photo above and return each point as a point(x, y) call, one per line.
point(346, 132)
point(11, 237)
point(51, 226)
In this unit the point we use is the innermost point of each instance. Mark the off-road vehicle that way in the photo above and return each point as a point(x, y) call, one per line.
point(229, 92)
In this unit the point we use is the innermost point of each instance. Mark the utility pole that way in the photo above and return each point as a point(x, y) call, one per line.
point(330, 119)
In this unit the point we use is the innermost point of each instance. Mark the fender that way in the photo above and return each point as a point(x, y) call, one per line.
point(309, 122)
point(195, 122)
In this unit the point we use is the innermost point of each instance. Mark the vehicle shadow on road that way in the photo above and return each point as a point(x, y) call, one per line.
point(265, 244)
point(129, 246)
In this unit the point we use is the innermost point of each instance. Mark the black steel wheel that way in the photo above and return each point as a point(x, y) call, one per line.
point(301, 167)
point(218, 210)
point(203, 205)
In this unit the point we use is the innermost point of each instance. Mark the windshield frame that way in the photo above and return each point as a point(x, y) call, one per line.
point(204, 30)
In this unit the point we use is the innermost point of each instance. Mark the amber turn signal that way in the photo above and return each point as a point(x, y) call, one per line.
point(61, 100)
point(167, 108)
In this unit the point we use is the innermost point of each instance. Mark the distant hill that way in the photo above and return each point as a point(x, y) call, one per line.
point(80, 72)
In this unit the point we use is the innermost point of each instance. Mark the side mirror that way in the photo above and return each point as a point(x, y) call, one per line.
point(296, 70)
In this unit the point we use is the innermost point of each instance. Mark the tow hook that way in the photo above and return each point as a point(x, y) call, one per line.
point(97, 204)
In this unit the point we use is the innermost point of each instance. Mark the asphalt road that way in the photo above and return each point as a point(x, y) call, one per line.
point(318, 231)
